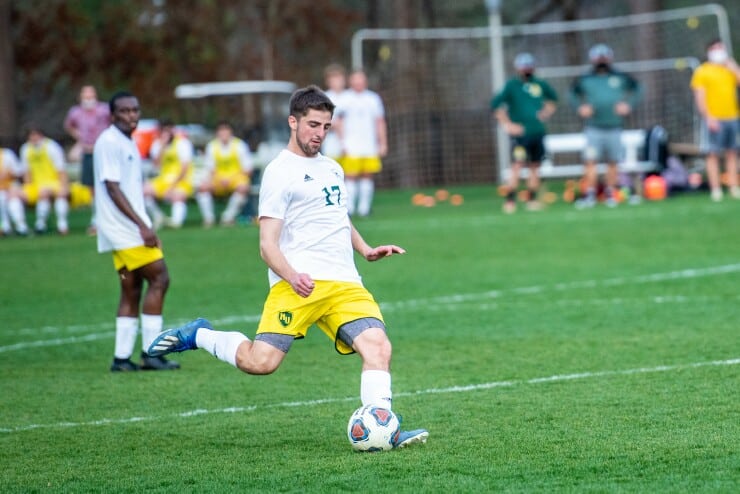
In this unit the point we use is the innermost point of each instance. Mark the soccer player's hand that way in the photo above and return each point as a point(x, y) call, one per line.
point(383, 251)
point(150, 237)
point(622, 109)
point(302, 284)
point(514, 129)
point(712, 124)
point(585, 111)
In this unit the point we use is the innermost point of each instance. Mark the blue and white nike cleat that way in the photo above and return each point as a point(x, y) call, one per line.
point(177, 339)
point(406, 438)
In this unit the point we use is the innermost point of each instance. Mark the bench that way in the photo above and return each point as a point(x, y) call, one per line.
point(633, 141)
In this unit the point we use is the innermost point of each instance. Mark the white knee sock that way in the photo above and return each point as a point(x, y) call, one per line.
point(351, 195)
point(17, 214)
point(375, 388)
point(179, 211)
point(366, 190)
point(220, 344)
point(61, 209)
point(205, 203)
point(126, 330)
point(151, 326)
point(236, 201)
point(153, 208)
point(43, 206)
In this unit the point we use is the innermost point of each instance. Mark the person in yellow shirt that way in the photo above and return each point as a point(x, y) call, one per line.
point(715, 86)
point(229, 166)
point(172, 153)
point(44, 179)
point(9, 173)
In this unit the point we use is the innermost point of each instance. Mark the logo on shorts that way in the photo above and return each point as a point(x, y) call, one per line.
point(285, 317)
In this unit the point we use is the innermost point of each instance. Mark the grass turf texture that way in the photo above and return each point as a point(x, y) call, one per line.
point(480, 308)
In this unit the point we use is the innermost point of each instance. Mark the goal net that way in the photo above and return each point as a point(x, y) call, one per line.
point(436, 84)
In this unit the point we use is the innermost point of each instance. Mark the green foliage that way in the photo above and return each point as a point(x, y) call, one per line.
point(630, 312)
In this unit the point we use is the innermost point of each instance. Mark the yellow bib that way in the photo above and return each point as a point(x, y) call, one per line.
point(227, 161)
point(40, 165)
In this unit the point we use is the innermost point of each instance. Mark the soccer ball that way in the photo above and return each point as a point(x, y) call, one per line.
point(373, 428)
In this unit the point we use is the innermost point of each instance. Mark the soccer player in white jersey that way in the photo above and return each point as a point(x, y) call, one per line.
point(125, 229)
point(364, 135)
point(307, 241)
point(335, 79)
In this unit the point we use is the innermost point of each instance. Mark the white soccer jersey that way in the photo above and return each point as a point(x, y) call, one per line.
point(332, 145)
point(9, 162)
point(308, 194)
point(360, 113)
point(116, 159)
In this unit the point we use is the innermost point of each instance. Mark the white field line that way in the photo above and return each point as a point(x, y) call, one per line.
point(430, 391)
point(427, 303)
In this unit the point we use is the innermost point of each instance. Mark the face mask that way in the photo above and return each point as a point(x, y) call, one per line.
point(527, 75)
point(602, 66)
point(88, 104)
point(718, 55)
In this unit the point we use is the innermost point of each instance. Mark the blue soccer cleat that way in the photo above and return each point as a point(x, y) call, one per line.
point(405, 438)
point(177, 339)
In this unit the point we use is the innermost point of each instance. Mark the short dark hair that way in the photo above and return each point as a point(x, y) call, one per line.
point(224, 123)
point(714, 42)
point(309, 98)
point(116, 97)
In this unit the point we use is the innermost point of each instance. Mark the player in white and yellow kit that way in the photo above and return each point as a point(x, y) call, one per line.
point(173, 154)
point(307, 241)
point(125, 230)
point(229, 165)
point(45, 179)
point(10, 171)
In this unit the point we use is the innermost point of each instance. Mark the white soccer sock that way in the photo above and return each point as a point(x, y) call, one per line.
point(17, 214)
point(221, 344)
point(375, 388)
point(205, 203)
point(61, 209)
point(351, 195)
point(236, 201)
point(151, 326)
point(4, 218)
point(179, 211)
point(43, 206)
point(126, 330)
point(366, 188)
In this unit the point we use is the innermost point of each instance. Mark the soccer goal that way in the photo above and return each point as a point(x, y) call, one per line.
point(437, 85)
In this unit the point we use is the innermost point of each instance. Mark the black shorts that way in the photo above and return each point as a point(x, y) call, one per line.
point(86, 174)
point(528, 149)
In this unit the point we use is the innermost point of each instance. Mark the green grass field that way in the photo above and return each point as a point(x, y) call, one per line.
point(560, 351)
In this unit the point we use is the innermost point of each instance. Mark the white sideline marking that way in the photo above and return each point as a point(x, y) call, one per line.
point(404, 304)
point(451, 389)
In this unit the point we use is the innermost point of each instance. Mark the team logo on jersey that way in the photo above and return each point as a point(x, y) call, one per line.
point(614, 81)
point(307, 178)
point(285, 317)
point(534, 90)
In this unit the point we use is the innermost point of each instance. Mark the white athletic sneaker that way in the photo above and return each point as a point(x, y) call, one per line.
point(716, 195)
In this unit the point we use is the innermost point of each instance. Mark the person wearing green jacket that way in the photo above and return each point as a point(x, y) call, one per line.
point(521, 108)
point(603, 98)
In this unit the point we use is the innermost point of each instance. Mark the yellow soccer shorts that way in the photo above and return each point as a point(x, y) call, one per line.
point(162, 184)
point(136, 257)
point(332, 304)
point(357, 165)
point(32, 190)
point(224, 184)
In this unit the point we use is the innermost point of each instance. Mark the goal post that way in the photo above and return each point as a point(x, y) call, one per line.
point(436, 83)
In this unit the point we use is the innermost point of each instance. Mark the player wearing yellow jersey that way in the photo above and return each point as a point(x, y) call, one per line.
point(45, 178)
point(173, 155)
point(10, 203)
point(715, 86)
point(229, 167)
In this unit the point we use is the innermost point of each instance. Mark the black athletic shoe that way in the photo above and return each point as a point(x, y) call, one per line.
point(157, 363)
point(123, 365)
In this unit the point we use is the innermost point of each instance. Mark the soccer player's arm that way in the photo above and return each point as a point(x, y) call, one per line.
point(185, 156)
point(245, 158)
point(635, 91)
point(550, 103)
point(382, 130)
point(119, 199)
point(70, 125)
point(56, 153)
point(700, 100)
point(270, 229)
point(372, 253)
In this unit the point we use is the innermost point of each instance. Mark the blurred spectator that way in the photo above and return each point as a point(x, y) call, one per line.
point(172, 153)
point(335, 79)
point(603, 98)
point(85, 122)
point(529, 101)
point(363, 131)
point(10, 171)
point(229, 165)
point(45, 178)
point(715, 86)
